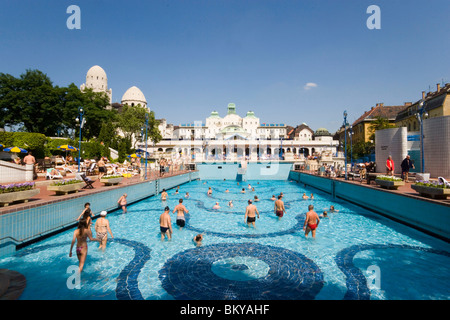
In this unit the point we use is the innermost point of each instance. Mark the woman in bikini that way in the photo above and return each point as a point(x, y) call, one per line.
point(80, 235)
point(101, 229)
point(86, 215)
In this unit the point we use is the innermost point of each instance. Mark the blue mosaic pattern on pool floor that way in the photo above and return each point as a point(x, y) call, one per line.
point(291, 276)
point(127, 281)
point(356, 282)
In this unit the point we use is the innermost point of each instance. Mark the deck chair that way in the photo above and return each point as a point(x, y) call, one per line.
point(91, 169)
point(445, 182)
point(82, 176)
point(49, 175)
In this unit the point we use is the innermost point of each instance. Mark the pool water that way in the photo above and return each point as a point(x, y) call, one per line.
point(357, 254)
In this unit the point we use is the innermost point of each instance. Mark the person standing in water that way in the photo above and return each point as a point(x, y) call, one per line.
point(165, 224)
point(279, 208)
point(80, 235)
point(164, 195)
point(311, 222)
point(180, 209)
point(102, 228)
point(123, 203)
point(250, 214)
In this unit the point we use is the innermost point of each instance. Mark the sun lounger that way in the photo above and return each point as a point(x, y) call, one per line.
point(445, 182)
point(51, 174)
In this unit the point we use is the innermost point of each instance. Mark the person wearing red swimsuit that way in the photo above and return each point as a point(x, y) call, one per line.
point(311, 222)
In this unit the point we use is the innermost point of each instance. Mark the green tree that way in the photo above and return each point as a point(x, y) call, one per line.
point(132, 119)
point(30, 100)
point(378, 124)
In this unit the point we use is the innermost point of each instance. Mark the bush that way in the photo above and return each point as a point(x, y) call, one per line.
point(34, 142)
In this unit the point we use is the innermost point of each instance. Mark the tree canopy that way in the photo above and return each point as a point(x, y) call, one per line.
point(34, 104)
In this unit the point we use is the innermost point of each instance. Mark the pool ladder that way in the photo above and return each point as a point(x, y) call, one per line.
point(241, 174)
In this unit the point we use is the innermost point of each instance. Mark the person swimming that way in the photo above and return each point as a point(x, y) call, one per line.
point(198, 239)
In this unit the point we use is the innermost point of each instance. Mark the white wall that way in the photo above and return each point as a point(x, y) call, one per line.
point(436, 133)
point(390, 142)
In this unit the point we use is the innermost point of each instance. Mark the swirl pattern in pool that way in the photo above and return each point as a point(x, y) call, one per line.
point(237, 262)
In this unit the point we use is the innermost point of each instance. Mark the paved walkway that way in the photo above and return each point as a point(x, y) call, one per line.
point(45, 196)
point(405, 190)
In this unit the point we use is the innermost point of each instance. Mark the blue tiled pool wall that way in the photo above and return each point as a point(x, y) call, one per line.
point(23, 226)
point(255, 171)
point(420, 214)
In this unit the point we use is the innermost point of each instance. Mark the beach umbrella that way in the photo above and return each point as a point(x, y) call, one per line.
point(15, 149)
point(134, 155)
point(67, 147)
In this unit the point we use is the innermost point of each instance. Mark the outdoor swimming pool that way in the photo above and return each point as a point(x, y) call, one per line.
point(356, 254)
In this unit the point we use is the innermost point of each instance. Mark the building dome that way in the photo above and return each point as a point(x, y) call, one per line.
point(96, 72)
point(322, 132)
point(250, 114)
point(97, 80)
point(214, 114)
point(134, 96)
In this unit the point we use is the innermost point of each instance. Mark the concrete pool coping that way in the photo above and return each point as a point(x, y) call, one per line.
point(431, 216)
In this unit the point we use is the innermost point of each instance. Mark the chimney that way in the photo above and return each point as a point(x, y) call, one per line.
point(438, 87)
point(423, 94)
point(407, 104)
point(382, 104)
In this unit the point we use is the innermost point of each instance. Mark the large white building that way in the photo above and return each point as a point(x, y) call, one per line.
point(223, 138)
point(233, 137)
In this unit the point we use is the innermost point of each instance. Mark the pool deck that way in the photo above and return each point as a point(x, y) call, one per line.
point(46, 197)
point(404, 190)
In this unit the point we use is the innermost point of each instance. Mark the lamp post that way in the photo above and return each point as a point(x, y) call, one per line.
point(80, 119)
point(420, 115)
point(146, 143)
point(345, 142)
point(351, 147)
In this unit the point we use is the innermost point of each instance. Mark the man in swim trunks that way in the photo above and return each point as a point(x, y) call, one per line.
point(250, 212)
point(164, 195)
point(180, 209)
point(123, 203)
point(311, 222)
point(165, 225)
point(279, 207)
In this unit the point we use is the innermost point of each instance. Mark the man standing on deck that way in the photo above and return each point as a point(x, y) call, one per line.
point(30, 160)
point(279, 207)
point(311, 222)
point(406, 166)
point(250, 214)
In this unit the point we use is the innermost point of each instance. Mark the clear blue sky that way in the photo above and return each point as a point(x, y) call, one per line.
point(192, 57)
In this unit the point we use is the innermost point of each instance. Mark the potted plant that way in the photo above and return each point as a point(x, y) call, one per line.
point(389, 182)
point(17, 192)
point(66, 186)
point(433, 189)
point(110, 180)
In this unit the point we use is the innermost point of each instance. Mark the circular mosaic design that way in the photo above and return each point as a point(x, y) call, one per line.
point(291, 276)
point(357, 287)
